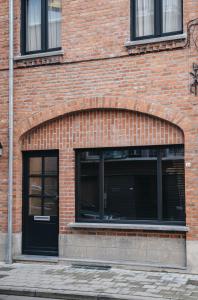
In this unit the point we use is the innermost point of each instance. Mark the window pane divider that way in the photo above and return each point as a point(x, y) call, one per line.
point(43, 186)
point(159, 186)
point(101, 185)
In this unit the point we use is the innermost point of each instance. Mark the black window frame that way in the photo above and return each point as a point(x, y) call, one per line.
point(158, 22)
point(44, 29)
point(159, 160)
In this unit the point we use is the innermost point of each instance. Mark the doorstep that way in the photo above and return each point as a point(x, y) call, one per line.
point(36, 258)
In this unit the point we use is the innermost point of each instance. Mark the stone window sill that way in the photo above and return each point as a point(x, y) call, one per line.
point(156, 40)
point(38, 55)
point(156, 44)
point(173, 228)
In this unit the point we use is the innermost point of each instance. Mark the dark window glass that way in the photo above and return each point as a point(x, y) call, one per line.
point(35, 186)
point(137, 184)
point(35, 165)
point(41, 25)
point(50, 186)
point(130, 190)
point(50, 165)
point(173, 190)
point(155, 18)
point(50, 206)
point(89, 186)
point(35, 206)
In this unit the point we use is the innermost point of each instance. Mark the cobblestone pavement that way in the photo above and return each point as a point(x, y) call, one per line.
point(115, 283)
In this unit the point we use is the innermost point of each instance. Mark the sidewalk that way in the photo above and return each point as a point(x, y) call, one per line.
point(67, 282)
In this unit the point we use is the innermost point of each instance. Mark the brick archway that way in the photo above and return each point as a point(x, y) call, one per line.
point(152, 109)
point(87, 104)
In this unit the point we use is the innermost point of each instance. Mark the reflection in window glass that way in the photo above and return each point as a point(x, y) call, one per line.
point(50, 186)
point(35, 206)
point(50, 165)
point(35, 165)
point(54, 23)
point(91, 155)
point(35, 186)
point(173, 190)
point(50, 207)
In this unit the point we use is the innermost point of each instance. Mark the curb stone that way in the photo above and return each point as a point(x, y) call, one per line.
point(71, 295)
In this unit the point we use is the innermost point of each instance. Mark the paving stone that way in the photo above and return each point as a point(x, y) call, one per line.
point(116, 282)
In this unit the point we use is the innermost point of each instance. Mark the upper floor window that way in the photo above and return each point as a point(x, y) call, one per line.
point(156, 18)
point(41, 25)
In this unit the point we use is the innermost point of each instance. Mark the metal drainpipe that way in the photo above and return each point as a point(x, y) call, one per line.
point(10, 134)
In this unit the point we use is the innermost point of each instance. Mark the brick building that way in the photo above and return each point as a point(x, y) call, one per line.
point(105, 132)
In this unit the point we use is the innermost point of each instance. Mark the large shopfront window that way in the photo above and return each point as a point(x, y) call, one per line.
point(131, 185)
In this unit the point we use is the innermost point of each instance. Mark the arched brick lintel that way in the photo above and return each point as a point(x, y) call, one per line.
point(156, 110)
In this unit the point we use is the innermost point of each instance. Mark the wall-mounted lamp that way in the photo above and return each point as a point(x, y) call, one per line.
point(1, 149)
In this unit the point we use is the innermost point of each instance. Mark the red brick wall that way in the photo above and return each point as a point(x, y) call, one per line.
point(97, 64)
point(99, 128)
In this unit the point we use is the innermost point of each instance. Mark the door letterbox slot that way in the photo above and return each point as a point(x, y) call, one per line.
point(42, 218)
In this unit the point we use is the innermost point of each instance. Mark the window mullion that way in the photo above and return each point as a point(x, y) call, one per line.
point(46, 25)
point(42, 186)
point(159, 186)
point(23, 25)
point(101, 185)
point(133, 19)
point(158, 17)
point(78, 185)
point(43, 25)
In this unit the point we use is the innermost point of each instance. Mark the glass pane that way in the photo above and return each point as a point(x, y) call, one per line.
point(35, 166)
point(89, 186)
point(50, 165)
point(172, 15)
point(130, 154)
point(130, 190)
point(35, 206)
point(54, 23)
point(50, 207)
point(35, 186)
point(144, 17)
point(33, 25)
point(50, 186)
point(173, 190)
point(173, 152)
point(91, 155)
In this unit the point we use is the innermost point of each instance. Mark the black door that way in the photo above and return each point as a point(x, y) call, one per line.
point(40, 203)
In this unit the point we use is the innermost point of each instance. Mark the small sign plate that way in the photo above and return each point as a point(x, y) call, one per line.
point(42, 218)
